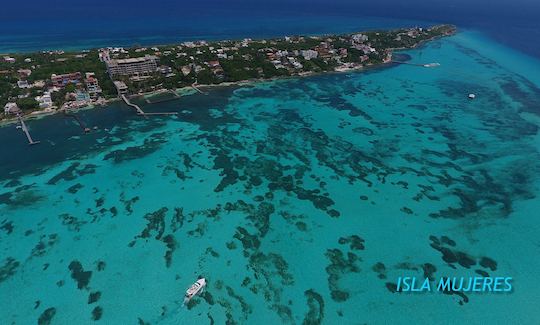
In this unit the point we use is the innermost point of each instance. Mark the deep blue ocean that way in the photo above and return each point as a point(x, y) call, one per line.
point(61, 24)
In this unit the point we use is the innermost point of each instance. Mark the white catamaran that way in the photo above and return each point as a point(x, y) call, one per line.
point(196, 288)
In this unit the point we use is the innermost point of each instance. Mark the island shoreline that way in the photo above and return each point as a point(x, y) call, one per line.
point(241, 83)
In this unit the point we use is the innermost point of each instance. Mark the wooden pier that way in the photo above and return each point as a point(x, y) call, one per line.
point(194, 86)
point(25, 130)
point(172, 92)
point(141, 112)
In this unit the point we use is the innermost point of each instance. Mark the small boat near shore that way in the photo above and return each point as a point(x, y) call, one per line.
point(195, 289)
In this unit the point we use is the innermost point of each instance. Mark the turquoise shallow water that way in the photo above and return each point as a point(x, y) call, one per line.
point(300, 200)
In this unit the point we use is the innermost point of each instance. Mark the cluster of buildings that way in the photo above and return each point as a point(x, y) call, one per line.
point(191, 68)
point(412, 33)
point(92, 85)
point(87, 89)
point(282, 59)
point(360, 42)
point(216, 68)
point(193, 57)
point(292, 60)
point(136, 69)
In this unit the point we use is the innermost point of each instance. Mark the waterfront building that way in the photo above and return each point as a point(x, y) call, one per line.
point(82, 96)
point(92, 85)
point(62, 80)
point(11, 108)
point(132, 66)
point(121, 87)
point(9, 59)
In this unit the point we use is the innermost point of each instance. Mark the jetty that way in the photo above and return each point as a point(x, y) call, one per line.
point(194, 86)
point(135, 106)
point(426, 65)
point(25, 130)
point(141, 112)
point(174, 94)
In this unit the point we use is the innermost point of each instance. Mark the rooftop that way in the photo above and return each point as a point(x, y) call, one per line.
point(133, 60)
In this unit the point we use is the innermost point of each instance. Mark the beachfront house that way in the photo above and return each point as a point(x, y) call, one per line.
point(11, 108)
point(92, 85)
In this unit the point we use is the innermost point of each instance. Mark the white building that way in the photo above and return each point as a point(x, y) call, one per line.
point(121, 87)
point(23, 84)
point(132, 66)
point(92, 85)
point(45, 101)
point(359, 38)
point(309, 54)
point(11, 108)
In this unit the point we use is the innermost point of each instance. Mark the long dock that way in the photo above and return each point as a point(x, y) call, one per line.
point(25, 130)
point(141, 112)
point(194, 86)
point(136, 107)
point(172, 92)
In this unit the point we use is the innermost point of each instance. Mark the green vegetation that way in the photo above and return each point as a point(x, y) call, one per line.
point(27, 103)
point(208, 63)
